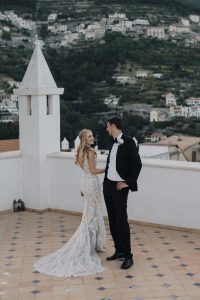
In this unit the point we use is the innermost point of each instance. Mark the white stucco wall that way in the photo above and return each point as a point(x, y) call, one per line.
point(10, 178)
point(169, 194)
point(65, 182)
point(168, 190)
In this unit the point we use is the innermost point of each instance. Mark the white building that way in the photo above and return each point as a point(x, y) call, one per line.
point(193, 39)
point(193, 101)
point(194, 112)
point(156, 32)
point(128, 24)
point(93, 31)
point(158, 75)
point(111, 100)
point(81, 28)
point(70, 38)
point(18, 21)
point(157, 136)
point(125, 79)
point(13, 83)
point(6, 117)
point(170, 99)
point(176, 111)
point(6, 28)
point(185, 22)
point(118, 27)
point(52, 17)
point(141, 22)
point(116, 16)
point(159, 115)
point(9, 106)
point(185, 111)
point(141, 74)
point(176, 28)
point(2, 17)
point(194, 18)
point(55, 28)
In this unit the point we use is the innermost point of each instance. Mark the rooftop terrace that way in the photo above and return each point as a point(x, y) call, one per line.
point(166, 262)
point(166, 259)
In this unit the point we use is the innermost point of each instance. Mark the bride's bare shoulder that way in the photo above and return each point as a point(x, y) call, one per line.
point(91, 154)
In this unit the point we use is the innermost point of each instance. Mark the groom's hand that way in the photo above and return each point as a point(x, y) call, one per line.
point(121, 185)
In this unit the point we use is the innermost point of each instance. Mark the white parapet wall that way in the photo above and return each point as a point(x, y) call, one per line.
point(168, 190)
point(65, 182)
point(168, 194)
point(10, 179)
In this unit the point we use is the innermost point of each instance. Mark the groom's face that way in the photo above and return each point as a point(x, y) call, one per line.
point(109, 128)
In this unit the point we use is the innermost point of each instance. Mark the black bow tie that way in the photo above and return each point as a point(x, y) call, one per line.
point(115, 141)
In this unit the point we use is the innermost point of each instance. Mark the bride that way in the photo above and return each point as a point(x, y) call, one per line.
point(78, 257)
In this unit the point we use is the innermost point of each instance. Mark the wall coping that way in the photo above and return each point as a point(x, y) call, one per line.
point(10, 155)
point(71, 155)
point(147, 162)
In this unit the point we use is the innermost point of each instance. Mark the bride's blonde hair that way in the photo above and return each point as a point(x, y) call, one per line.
point(83, 147)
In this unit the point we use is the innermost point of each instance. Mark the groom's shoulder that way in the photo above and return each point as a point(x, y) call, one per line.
point(127, 138)
point(131, 141)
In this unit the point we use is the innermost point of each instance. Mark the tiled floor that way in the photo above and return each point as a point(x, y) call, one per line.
point(167, 262)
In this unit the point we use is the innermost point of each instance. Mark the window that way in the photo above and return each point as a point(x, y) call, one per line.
point(29, 108)
point(49, 105)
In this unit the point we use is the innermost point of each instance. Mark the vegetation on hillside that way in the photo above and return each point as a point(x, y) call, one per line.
point(14, 3)
point(86, 70)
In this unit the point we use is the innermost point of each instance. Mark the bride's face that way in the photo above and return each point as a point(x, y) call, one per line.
point(90, 138)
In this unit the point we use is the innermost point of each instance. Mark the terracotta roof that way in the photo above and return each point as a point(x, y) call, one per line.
point(183, 142)
point(9, 145)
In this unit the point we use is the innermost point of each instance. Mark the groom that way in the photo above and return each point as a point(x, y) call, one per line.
point(121, 173)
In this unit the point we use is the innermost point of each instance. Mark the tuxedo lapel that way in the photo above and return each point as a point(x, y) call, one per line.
point(120, 147)
point(108, 158)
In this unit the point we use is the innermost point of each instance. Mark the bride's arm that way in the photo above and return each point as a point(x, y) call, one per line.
point(80, 159)
point(91, 163)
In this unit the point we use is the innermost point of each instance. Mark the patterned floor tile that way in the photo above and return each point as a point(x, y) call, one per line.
point(160, 271)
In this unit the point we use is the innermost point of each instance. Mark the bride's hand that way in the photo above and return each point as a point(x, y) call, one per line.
point(103, 170)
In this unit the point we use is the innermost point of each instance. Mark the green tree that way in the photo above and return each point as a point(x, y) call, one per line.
point(6, 35)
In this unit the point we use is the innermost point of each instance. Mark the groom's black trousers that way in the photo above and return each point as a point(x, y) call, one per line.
point(116, 203)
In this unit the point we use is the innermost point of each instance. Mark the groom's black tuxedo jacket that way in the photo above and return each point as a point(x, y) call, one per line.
point(128, 162)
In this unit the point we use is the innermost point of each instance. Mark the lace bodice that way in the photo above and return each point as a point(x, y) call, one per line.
point(86, 169)
point(91, 189)
point(78, 257)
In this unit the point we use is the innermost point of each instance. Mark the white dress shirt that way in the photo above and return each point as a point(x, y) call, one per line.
point(112, 172)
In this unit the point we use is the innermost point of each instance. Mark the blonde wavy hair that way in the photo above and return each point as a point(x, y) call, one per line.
point(83, 147)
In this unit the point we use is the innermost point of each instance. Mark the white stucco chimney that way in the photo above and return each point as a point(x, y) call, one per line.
point(39, 126)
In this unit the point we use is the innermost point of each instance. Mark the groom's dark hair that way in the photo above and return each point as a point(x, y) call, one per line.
point(117, 121)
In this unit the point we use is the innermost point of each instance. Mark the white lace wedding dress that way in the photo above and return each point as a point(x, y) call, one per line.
point(78, 257)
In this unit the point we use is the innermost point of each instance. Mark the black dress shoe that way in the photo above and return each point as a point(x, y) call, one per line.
point(115, 256)
point(127, 263)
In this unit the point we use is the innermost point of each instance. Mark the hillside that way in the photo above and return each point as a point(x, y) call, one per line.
point(86, 67)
